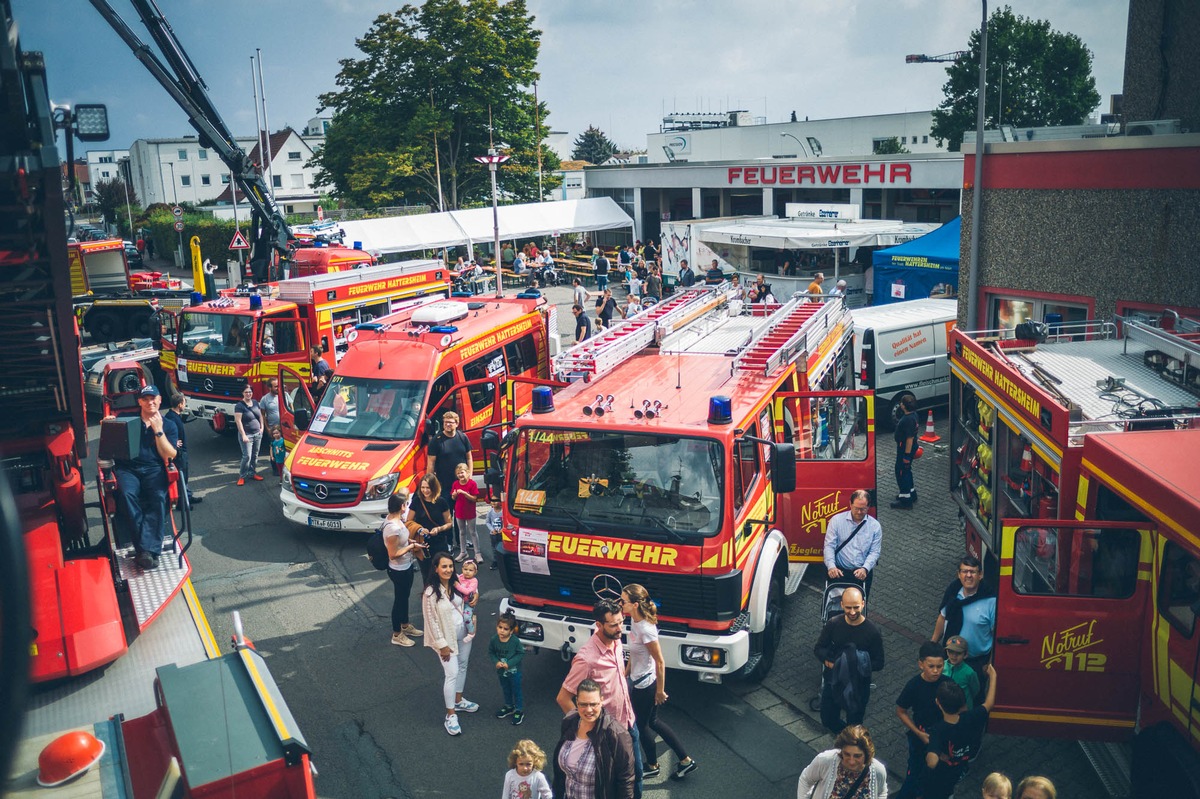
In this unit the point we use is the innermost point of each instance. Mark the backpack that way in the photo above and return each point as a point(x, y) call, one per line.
point(377, 551)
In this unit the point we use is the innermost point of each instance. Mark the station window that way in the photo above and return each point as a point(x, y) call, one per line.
point(1179, 589)
point(202, 154)
point(293, 155)
point(224, 180)
point(205, 180)
point(277, 181)
point(182, 154)
point(1073, 561)
point(1005, 313)
point(185, 180)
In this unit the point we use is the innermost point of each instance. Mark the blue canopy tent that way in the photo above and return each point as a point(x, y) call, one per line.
point(911, 270)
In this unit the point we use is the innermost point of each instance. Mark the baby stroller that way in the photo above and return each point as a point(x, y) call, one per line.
point(831, 606)
point(546, 276)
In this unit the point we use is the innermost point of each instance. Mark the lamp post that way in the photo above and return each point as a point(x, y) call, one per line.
point(493, 160)
point(977, 185)
point(977, 189)
point(793, 136)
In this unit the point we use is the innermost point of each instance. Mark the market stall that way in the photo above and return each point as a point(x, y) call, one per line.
point(923, 267)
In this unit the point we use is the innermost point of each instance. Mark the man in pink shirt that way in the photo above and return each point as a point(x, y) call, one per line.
point(602, 658)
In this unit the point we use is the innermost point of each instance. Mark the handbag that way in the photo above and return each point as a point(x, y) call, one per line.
point(416, 537)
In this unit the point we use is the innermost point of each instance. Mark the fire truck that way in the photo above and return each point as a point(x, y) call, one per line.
point(216, 347)
point(1073, 467)
point(367, 434)
point(69, 599)
point(698, 449)
point(112, 303)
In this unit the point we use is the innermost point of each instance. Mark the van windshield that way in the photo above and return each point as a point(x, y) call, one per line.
point(215, 336)
point(356, 407)
point(628, 483)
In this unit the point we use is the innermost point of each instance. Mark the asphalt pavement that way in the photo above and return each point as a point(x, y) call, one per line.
point(372, 712)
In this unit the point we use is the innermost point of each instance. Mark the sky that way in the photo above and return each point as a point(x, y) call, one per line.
point(616, 64)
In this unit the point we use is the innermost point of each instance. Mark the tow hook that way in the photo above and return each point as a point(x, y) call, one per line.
point(565, 652)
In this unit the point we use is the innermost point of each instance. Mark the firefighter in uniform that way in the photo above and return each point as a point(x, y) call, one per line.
point(142, 481)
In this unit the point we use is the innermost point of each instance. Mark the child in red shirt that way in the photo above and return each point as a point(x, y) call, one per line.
point(465, 493)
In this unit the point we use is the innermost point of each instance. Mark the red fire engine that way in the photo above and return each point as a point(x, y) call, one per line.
point(215, 348)
point(367, 434)
point(698, 451)
point(1073, 450)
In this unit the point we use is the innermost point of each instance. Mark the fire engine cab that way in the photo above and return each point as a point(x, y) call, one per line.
point(699, 450)
point(367, 434)
point(216, 347)
point(1074, 469)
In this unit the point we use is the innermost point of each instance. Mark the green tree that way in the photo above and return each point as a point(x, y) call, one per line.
point(110, 197)
point(593, 146)
point(890, 146)
point(1035, 76)
point(452, 75)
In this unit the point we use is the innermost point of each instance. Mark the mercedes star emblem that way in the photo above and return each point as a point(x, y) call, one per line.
point(208, 384)
point(606, 586)
point(321, 490)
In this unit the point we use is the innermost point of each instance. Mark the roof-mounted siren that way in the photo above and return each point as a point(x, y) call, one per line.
point(256, 302)
point(649, 409)
point(196, 299)
point(440, 313)
point(720, 410)
point(543, 399)
point(601, 406)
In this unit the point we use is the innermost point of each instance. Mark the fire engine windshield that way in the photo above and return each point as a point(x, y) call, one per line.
point(215, 337)
point(643, 485)
point(357, 407)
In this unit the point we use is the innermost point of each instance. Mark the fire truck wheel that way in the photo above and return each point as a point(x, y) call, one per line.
point(104, 326)
point(1163, 765)
point(766, 643)
point(139, 325)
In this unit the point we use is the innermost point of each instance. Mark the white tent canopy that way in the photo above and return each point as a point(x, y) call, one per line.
point(795, 234)
point(517, 222)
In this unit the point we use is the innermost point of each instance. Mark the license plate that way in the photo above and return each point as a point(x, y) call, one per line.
point(328, 524)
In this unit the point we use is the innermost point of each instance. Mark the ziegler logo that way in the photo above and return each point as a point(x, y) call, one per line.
point(1064, 648)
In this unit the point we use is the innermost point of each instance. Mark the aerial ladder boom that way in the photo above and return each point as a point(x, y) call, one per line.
point(189, 91)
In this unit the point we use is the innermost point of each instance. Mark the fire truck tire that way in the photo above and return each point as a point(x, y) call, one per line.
point(1164, 765)
point(104, 326)
point(764, 645)
point(139, 324)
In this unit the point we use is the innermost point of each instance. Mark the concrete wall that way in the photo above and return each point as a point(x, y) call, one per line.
point(1162, 68)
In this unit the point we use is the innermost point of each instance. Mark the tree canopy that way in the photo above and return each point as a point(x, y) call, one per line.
point(446, 74)
point(593, 146)
point(111, 198)
point(1035, 76)
point(890, 146)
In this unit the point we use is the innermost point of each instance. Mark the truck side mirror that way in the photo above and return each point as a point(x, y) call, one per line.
point(303, 419)
point(494, 477)
point(156, 331)
point(783, 468)
point(489, 441)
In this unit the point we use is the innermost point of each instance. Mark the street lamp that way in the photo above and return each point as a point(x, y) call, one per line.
point(797, 140)
point(977, 186)
point(493, 160)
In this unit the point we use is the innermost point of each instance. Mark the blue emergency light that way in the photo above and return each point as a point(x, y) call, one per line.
point(197, 298)
point(720, 410)
point(543, 399)
point(255, 302)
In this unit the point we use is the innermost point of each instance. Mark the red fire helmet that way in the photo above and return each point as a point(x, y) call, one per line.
point(68, 756)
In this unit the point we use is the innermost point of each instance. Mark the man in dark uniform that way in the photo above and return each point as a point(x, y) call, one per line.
point(142, 482)
point(446, 450)
point(906, 451)
point(175, 414)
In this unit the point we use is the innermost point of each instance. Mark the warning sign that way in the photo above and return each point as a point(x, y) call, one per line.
point(239, 242)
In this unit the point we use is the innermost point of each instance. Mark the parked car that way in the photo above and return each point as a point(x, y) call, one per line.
point(133, 256)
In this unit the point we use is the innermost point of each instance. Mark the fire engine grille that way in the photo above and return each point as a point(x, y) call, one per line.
point(684, 595)
point(217, 386)
point(326, 492)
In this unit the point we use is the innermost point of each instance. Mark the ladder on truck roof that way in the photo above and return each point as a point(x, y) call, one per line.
point(603, 353)
point(792, 331)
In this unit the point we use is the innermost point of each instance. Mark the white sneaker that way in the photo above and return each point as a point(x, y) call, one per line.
point(479, 558)
point(452, 725)
point(400, 639)
point(466, 706)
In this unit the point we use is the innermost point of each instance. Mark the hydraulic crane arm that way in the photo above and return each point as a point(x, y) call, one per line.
point(189, 91)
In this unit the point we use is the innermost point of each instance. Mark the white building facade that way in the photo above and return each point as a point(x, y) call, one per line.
point(103, 165)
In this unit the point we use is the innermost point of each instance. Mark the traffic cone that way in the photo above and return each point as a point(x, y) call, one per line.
point(1027, 460)
point(930, 436)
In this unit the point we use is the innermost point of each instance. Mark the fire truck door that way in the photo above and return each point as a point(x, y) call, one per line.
point(834, 435)
point(294, 400)
point(1069, 635)
point(1176, 661)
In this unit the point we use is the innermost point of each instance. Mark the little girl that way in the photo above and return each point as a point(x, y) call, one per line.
point(278, 450)
point(467, 586)
point(525, 779)
point(465, 492)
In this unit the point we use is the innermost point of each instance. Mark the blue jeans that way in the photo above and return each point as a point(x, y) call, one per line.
point(250, 450)
point(511, 686)
point(637, 761)
point(916, 769)
point(601, 282)
point(142, 503)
